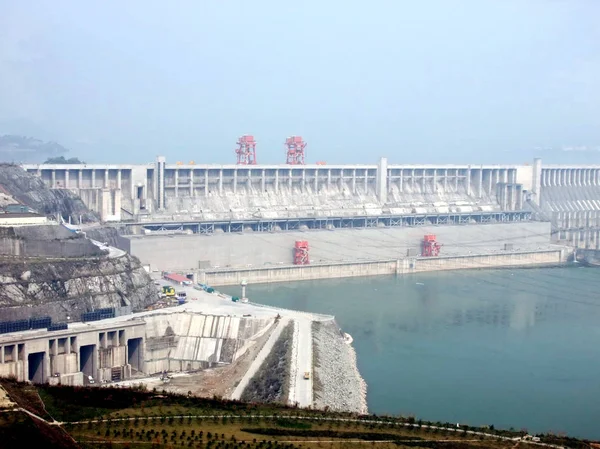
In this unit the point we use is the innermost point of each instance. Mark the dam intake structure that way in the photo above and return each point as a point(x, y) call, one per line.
point(206, 199)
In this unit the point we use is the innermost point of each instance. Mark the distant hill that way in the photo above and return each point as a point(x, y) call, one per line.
point(21, 149)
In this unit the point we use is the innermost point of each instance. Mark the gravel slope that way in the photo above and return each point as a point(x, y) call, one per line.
point(338, 384)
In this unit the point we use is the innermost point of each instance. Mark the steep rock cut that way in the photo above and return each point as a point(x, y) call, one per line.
point(71, 287)
point(30, 190)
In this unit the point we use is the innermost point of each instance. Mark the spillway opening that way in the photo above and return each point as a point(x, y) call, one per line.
point(134, 354)
point(36, 373)
point(86, 360)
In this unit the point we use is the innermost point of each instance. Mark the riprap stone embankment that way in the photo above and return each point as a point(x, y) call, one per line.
point(338, 384)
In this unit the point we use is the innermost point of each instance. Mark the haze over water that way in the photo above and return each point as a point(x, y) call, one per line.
point(512, 348)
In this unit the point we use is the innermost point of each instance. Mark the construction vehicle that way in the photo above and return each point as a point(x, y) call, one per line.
point(307, 375)
point(167, 290)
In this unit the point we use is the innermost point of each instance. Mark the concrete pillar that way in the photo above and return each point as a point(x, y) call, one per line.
point(276, 180)
point(382, 180)
point(235, 173)
point(366, 180)
point(353, 179)
point(176, 183)
point(221, 182)
point(206, 182)
point(46, 362)
point(316, 182)
point(117, 204)
point(329, 177)
point(1, 354)
point(53, 179)
point(66, 178)
point(468, 180)
point(435, 188)
point(536, 180)
point(160, 169)
point(290, 179)
point(191, 182)
point(80, 179)
point(401, 180)
point(119, 181)
point(456, 179)
point(262, 181)
point(304, 179)
point(480, 183)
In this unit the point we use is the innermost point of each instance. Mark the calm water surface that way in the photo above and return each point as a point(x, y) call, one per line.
point(512, 348)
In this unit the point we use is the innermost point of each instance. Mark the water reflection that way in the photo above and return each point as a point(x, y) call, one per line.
point(513, 348)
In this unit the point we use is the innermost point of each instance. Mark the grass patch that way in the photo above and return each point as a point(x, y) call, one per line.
point(293, 424)
point(328, 433)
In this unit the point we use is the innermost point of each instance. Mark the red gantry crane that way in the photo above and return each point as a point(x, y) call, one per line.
point(295, 150)
point(246, 150)
point(431, 248)
point(301, 253)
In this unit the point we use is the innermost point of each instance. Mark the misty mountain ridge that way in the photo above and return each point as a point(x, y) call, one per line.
point(22, 149)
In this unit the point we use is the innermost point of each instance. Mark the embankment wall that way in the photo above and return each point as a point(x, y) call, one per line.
point(188, 341)
point(554, 256)
point(263, 250)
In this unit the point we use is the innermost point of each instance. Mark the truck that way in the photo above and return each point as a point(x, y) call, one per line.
point(167, 290)
point(307, 375)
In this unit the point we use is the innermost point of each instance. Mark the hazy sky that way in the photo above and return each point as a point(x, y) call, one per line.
point(445, 81)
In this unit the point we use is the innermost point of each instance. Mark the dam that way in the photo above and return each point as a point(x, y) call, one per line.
point(207, 199)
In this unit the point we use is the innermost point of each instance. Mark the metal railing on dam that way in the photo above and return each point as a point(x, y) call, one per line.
point(292, 224)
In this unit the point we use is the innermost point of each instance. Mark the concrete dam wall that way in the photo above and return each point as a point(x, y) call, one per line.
point(163, 191)
point(166, 193)
point(570, 199)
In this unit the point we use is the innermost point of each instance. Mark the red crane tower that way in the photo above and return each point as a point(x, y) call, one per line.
point(301, 253)
point(431, 248)
point(246, 151)
point(295, 150)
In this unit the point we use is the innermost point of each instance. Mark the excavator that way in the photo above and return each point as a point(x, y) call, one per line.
point(167, 290)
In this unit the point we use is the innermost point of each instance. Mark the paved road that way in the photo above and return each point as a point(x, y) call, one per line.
point(260, 358)
point(302, 391)
point(113, 252)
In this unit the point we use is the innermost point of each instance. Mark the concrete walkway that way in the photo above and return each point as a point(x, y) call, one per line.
point(260, 358)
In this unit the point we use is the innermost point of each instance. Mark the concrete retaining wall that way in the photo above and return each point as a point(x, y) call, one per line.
point(263, 250)
point(186, 341)
point(358, 269)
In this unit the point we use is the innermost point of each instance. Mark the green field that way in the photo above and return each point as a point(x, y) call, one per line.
point(126, 418)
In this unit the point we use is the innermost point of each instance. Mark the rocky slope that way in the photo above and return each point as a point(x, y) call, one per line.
point(71, 287)
point(338, 384)
point(31, 191)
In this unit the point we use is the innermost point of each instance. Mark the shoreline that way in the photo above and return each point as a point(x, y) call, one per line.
point(338, 383)
point(554, 255)
point(363, 383)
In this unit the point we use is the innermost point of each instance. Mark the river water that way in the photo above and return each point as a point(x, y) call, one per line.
point(512, 348)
